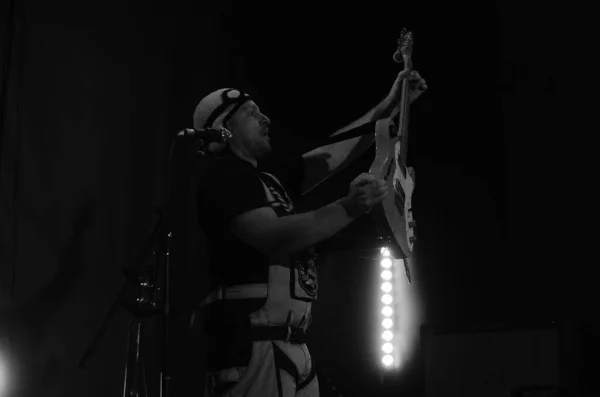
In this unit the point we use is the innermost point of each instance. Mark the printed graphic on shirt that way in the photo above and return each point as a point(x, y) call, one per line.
point(282, 204)
point(303, 273)
point(304, 280)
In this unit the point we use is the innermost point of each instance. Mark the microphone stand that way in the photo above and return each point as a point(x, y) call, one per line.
point(144, 280)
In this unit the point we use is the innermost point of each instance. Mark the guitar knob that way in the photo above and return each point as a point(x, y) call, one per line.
point(412, 224)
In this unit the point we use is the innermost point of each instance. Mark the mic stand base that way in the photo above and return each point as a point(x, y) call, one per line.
point(135, 383)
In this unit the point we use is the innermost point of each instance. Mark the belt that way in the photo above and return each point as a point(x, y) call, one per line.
point(263, 332)
point(246, 291)
point(287, 334)
point(257, 333)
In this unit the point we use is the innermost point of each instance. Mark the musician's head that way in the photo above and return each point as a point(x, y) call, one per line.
point(236, 111)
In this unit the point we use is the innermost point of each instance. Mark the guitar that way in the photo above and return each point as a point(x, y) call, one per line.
point(394, 217)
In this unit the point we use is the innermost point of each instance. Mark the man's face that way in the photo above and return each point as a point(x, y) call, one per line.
point(250, 129)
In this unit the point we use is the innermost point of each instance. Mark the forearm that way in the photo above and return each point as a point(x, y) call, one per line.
point(304, 230)
point(382, 110)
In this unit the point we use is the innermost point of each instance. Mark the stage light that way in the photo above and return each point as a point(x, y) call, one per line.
point(386, 275)
point(387, 323)
point(387, 347)
point(394, 334)
point(387, 360)
point(387, 335)
point(3, 375)
point(386, 287)
point(387, 299)
point(386, 263)
point(387, 311)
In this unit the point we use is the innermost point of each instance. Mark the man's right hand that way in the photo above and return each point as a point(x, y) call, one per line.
point(365, 193)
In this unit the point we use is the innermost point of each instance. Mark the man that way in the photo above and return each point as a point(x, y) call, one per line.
point(261, 253)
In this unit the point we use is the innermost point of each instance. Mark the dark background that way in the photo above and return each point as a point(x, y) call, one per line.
point(93, 93)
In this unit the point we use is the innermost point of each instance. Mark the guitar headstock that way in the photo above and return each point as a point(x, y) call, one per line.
point(405, 43)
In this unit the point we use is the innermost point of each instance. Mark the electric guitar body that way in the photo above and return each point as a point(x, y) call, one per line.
point(395, 218)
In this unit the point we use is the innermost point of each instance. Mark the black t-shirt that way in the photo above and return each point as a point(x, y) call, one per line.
point(232, 187)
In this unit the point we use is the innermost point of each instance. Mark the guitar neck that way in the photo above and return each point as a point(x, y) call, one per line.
point(403, 121)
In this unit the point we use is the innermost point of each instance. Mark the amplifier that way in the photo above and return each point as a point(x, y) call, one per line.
point(490, 360)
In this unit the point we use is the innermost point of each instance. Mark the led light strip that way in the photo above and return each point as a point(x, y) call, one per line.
point(387, 311)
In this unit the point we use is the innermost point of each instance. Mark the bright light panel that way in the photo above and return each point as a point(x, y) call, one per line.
point(387, 323)
point(386, 263)
point(387, 348)
point(387, 360)
point(387, 299)
point(386, 287)
point(3, 376)
point(387, 335)
point(386, 275)
point(387, 311)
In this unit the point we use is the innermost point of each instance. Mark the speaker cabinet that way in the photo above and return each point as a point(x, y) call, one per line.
point(491, 361)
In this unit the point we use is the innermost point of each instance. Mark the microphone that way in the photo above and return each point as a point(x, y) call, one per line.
point(207, 135)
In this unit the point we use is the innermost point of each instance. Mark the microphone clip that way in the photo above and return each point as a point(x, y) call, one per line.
point(208, 140)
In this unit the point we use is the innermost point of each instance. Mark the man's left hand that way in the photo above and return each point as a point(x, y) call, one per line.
point(416, 86)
